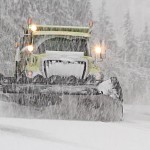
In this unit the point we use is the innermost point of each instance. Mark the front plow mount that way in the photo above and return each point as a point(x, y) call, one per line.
point(65, 102)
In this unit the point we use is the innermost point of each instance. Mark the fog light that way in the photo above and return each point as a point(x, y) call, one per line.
point(29, 74)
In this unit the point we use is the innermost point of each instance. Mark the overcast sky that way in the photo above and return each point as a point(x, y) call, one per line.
point(139, 9)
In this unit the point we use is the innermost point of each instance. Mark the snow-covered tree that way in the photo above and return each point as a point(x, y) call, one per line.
point(144, 48)
point(105, 27)
point(83, 12)
point(105, 36)
point(130, 41)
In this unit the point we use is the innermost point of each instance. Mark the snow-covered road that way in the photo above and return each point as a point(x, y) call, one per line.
point(33, 134)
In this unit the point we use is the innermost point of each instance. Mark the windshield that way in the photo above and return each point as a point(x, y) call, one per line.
point(62, 44)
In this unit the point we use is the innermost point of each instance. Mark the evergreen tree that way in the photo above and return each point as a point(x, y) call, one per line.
point(130, 41)
point(106, 38)
point(60, 12)
point(72, 12)
point(105, 27)
point(83, 12)
point(144, 50)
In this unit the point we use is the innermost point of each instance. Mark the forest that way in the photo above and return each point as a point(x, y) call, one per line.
point(130, 62)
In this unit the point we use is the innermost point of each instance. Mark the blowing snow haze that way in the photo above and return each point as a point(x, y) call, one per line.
point(116, 9)
point(139, 10)
point(122, 24)
point(53, 66)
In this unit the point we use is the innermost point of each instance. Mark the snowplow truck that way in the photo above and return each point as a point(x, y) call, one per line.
point(55, 70)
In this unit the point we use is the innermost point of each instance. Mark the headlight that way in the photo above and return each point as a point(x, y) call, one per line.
point(29, 74)
point(98, 50)
point(33, 27)
point(30, 48)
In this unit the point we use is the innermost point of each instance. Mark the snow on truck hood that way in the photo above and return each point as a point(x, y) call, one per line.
point(63, 68)
point(65, 55)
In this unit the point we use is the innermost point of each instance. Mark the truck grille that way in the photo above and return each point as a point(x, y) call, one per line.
point(65, 68)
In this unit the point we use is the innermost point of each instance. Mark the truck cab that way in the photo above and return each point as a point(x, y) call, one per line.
point(58, 52)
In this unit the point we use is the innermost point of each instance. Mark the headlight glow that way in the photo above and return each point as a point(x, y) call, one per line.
point(98, 50)
point(33, 27)
point(29, 74)
point(30, 48)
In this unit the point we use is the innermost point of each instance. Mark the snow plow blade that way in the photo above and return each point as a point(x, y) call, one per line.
point(71, 105)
